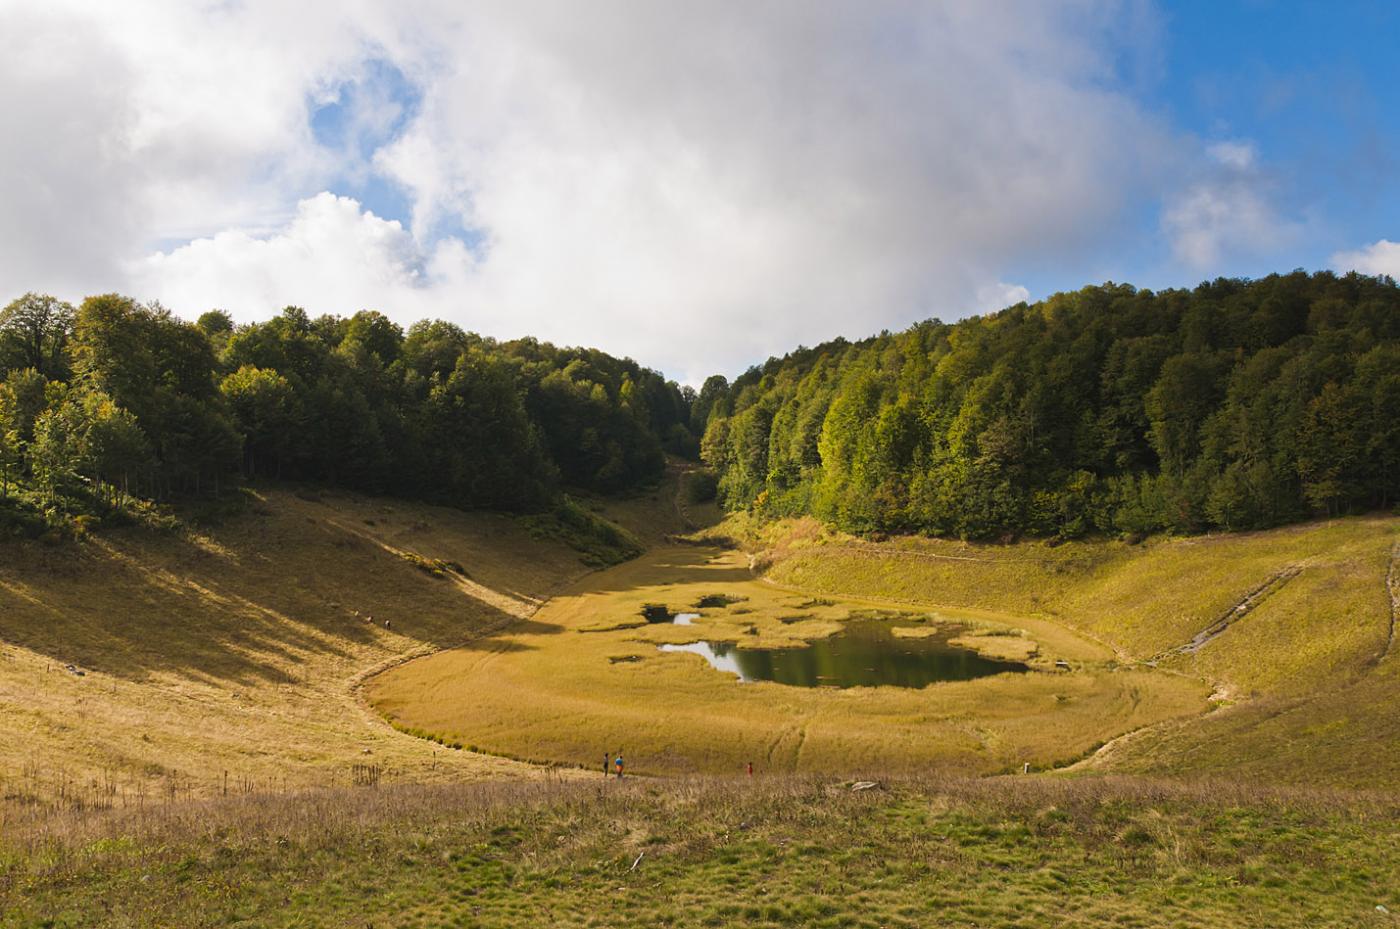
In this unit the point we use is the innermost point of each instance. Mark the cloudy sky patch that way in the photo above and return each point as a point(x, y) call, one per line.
point(696, 185)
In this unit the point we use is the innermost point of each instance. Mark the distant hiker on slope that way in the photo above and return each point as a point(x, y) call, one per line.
point(617, 762)
point(607, 764)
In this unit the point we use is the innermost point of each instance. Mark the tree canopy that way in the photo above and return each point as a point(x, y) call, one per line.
point(118, 399)
point(1236, 405)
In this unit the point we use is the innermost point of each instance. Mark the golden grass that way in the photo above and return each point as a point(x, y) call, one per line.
point(1307, 697)
point(240, 649)
point(584, 676)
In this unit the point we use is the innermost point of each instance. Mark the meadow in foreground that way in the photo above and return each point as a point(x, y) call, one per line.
point(766, 852)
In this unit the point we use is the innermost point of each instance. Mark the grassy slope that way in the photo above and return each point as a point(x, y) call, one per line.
point(238, 649)
point(1302, 668)
point(762, 853)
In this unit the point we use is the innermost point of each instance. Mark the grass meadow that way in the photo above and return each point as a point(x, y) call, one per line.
point(226, 755)
point(240, 648)
point(765, 852)
point(585, 676)
point(1306, 679)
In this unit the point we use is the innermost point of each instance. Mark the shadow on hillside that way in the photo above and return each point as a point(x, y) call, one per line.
point(276, 600)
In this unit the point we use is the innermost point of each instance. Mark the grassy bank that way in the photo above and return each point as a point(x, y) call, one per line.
point(762, 852)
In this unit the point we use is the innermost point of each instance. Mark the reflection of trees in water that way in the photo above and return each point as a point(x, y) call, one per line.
point(864, 654)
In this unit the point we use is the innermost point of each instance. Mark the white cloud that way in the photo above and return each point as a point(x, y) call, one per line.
point(696, 185)
point(1238, 155)
point(1381, 257)
point(1227, 212)
point(999, 296)
point(332, 256)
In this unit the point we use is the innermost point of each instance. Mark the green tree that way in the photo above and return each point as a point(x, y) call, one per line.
point(54, 456)
point(24, 394)
point(264, 406)
point(11, 457)
point(34, 333)
point(111, 448)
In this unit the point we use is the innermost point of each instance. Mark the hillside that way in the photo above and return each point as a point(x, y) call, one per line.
point(1238, 404)
point(232, 655)
point(243, 647)
point(1299, 622)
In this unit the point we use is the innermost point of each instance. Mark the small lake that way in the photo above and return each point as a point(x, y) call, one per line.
point(866, 653)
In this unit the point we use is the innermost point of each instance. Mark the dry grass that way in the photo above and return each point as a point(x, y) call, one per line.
point(765, 852)
point(1307, 697)
point(239, 649)
point(585, 676)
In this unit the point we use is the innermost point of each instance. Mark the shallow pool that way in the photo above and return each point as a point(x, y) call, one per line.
point(866, 653)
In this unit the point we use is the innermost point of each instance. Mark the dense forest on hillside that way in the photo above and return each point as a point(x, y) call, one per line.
point(115, 402)
point(1239, 404)
point(1236, 405)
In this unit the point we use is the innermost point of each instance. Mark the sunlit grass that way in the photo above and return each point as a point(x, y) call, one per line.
point(239, 648)
point(585, 676)
point(1299, 671)
point(767, 852)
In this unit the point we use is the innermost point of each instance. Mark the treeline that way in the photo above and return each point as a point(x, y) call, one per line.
point(1236, 405)
point(116, 400)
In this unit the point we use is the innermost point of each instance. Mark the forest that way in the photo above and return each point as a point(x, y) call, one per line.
point(1111, 410)
point(1235, 405)
point(113, 404)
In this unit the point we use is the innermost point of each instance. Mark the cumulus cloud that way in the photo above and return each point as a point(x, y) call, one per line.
point(331, 255)
point(696, 185)
point(1382, 257)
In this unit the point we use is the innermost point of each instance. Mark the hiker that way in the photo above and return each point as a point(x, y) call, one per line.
point(617, 762)
point(750, 769)
point(607, 764)
point(386, 624)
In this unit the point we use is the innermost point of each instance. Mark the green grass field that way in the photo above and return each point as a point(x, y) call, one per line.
point(240, 648)
point(1306, 677)
point(767, 852)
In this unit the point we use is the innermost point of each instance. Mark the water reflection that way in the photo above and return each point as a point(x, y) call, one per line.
point(865, 654)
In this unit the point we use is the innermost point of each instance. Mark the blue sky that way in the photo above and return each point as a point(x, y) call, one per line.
point(1314, 87)
point(695, 185)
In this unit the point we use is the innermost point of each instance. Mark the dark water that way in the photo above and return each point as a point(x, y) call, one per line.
point(655, 613)
point(865, 654)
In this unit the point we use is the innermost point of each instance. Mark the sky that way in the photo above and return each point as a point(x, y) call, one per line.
point(695, 185)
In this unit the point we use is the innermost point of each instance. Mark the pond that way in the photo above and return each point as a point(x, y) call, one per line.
point(866, 653)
